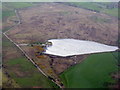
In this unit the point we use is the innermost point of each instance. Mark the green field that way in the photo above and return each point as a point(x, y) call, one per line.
point(7, 12)
point(34, 78)
point(22, 62)
point(113, 12)
point(87, 5)
point(93, 72)
point(8, 8)
point(109, 8)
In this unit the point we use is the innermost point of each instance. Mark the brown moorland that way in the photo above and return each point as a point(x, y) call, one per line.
point(54, 20)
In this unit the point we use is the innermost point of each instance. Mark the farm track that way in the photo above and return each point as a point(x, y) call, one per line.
point(18, 46)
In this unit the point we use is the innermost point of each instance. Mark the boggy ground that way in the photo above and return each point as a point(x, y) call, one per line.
point(53, 20)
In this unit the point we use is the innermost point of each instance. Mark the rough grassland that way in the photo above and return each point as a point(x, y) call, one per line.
point(91, 73)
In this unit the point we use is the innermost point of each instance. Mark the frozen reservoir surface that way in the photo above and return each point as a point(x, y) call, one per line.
point(69, 47)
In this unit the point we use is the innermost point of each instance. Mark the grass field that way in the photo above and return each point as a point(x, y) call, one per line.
point(98, 7)
point(113, 12)
point(91, 73)
point(87, 5)
point(8, 8)
point(7, 13)
point(22, 62)
point(34, 81)
point(17, 5)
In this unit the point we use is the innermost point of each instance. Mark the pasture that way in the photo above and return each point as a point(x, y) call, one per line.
point(93, 72)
